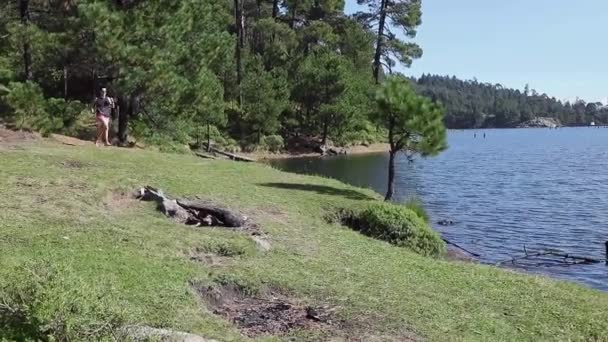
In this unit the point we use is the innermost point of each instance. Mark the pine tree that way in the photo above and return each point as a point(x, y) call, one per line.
point(388, 16)
point(414, 124)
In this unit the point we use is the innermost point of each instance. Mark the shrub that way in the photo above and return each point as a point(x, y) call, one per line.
point(65, 113)
point(398, 225)
point(415, 205)
point(31, 111)
point(29, 106)
point(273, 143)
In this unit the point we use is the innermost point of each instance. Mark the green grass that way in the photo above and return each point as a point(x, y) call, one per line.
point(71, 258)
point(414, 204)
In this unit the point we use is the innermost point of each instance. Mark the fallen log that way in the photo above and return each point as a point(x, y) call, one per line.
point(203, 209)
point(205, 155)
point(192, 212)
point(165, 205)
point(233, 156)
point(200, 212)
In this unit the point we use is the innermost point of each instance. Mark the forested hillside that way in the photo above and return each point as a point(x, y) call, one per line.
point(245, 73)
point(472, 104)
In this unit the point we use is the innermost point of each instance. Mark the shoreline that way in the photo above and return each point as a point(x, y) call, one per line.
point(353, 150)
point(309, 261)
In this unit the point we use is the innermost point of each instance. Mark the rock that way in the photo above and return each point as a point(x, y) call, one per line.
point(149, 333)
point(322, 149)
point(262, 244)
point(335, 151)
point(445, 223)
point(171, 209)
point(541, 122)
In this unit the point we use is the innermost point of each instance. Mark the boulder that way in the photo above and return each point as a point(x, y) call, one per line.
point(143, 333)
point(445, 222)
point(541, 122)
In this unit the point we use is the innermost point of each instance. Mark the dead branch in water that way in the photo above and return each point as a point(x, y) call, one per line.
point(549, 258)
point(460, 247)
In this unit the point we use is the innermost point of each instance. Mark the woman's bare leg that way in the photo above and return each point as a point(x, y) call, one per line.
point(106, 133)
point(98, 133)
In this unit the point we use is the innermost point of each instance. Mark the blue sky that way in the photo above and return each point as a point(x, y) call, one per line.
point(559, 47)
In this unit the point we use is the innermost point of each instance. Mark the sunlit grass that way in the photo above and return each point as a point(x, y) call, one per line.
point(80, 256)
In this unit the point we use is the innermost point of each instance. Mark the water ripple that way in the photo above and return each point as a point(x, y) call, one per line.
point(538, 188)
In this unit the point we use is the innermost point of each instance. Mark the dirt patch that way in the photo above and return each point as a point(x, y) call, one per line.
point(455, 254)
point(144, 333)
point(71, 141)
point(270, 313)
point(216, 256)
point(208, 259)
point(11, 138)
point(119, 200)
point(73, 164)
point(23, 182)
point(268, 213)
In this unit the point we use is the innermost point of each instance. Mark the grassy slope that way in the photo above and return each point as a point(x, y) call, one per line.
point(93, 261)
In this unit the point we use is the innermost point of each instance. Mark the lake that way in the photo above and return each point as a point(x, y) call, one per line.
point(537, 188)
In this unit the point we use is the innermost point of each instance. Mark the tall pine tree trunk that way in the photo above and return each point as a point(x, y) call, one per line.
point(208, 137)
point(65, 82)
point(391, 161)
point(292, 21)
point(124, 108)
point(240, 41)
point(379, 42)
point(24, 10)
point(391, 176)
point(275, 8)
point(325, 130)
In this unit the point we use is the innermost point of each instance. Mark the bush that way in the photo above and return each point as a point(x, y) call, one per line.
point(65, 113)
point(31, 111)
point(415, 205)
point(399, 226)
point(29, 107)
point(273, 143)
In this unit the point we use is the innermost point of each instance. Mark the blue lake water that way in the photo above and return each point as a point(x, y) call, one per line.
point(537, 188)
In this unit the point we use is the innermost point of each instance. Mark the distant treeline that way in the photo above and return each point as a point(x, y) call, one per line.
point(473, 104)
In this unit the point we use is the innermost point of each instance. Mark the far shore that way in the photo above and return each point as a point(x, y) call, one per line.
point(352, 150)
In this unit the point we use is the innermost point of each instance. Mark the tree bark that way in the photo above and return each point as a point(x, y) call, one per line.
point(208, 137)
point(325, 130)
point(391, 176)
point(379, 40)
point(292, 21)
point(390, 190)
point(24, 10)
point(275, 8)
point(65, 82)
point(238, 20)
point(124, 109)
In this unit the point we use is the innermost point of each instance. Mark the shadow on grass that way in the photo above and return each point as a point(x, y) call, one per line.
point(321, 189)
point(17, 325)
